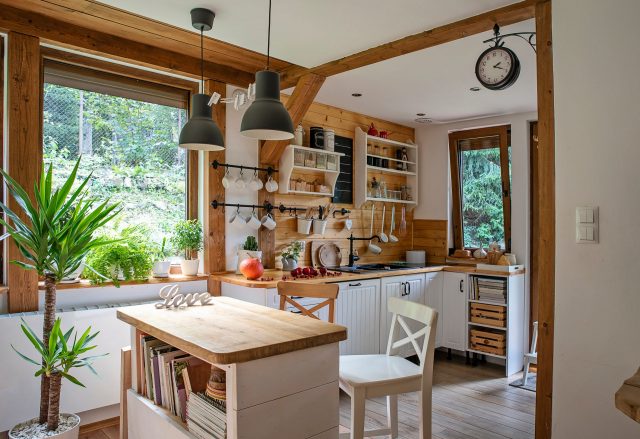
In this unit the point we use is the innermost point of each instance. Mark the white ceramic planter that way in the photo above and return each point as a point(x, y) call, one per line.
point(319, 226)
point(74, 277)
point(190, 267)
point(246, 254)
point(72, 433)
point(161, 268)
point(304, 226)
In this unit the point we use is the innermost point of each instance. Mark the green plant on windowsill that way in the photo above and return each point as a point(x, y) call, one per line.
point(187, 238)
point(250, 244)
point(128, 258)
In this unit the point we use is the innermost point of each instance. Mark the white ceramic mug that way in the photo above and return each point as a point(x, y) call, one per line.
point(234, 216)
point(253, 221)
point(226, 180)
point(240, 183)
point(271, 185)
point(268, 222)
point(255, 183)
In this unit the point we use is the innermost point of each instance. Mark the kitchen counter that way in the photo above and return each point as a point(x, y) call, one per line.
point(230, 330)
point(238, 279)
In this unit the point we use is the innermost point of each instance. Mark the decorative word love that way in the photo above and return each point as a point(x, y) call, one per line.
point(173, 299)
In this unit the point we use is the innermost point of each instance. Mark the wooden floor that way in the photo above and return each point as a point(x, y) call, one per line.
point(468, 403)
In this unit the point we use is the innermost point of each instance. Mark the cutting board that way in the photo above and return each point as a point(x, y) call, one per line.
point(329, 255)
point(315, 245)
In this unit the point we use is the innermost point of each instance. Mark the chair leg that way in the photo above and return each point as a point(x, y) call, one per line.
point(392, 415)
point(526, 372)
point(425, 414)
point(357, 414)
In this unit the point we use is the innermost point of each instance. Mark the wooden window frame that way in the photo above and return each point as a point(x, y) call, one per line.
point(3, 273)
point(502, 132)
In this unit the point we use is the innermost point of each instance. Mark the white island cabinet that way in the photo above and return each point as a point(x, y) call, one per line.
point(454, 310)
point(358, 308)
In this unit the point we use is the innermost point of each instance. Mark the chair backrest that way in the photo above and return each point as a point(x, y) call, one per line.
point(405, 313)
point(290, 292)
point(534, 339)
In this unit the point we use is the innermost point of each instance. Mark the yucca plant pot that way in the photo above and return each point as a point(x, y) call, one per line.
point(69, 428)
point(190, 267)
point(161, 268)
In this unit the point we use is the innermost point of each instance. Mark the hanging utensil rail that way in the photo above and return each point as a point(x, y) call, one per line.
point(266, 206)
point(216, 164)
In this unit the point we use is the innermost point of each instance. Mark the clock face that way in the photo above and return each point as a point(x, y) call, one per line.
point(497, 68)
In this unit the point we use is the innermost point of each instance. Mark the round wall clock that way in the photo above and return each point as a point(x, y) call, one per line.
point(497, 68)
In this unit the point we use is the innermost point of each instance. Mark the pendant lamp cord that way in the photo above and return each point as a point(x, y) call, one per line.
point(269, 36)
point(202, 58)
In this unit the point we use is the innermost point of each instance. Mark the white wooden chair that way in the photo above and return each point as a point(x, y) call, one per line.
point(532, 356)
point(372, 376)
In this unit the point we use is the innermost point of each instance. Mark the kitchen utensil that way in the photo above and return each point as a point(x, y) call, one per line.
point(372, 247)
point(316, 137)
point(240, 183)
point(226, 180)
point(271, 185)
point(392, 237)
point(383, 236)
point(402, 230)
point(255, 183)
point(329, 255)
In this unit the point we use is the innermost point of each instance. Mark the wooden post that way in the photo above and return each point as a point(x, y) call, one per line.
point(214, 221)
point(24, 151)
point(544, 208)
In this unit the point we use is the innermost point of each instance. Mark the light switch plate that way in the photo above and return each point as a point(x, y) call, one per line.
point(586, 225)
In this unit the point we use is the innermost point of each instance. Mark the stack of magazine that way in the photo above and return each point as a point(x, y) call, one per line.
point(179, 383)
point(490, 290)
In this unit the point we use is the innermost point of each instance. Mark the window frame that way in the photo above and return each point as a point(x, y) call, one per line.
point(503, 133)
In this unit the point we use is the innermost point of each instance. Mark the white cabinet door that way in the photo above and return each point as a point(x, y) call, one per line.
point(433, 293)
point(358, 308)
point(409, 287)
point(454, 313)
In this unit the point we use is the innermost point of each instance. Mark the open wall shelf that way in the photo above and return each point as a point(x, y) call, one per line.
point(302, 160)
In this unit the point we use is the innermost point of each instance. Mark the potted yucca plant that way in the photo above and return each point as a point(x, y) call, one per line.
point(58, 232)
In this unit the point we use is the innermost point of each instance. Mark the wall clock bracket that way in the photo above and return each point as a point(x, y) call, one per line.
point(497, 39)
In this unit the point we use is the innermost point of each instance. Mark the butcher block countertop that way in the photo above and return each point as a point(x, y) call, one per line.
point(628, 397)
point(238, 279)
point(231, 331)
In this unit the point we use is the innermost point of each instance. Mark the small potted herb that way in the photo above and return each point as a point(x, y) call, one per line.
point(187, 238)
point(249, 250)
point(161, 262)
point(291, 254)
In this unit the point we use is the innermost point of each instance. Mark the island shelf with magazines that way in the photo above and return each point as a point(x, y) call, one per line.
point(231, 369)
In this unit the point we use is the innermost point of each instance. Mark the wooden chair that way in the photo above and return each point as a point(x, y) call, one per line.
point(532, 356)
point(290, 292)
point(372, 376)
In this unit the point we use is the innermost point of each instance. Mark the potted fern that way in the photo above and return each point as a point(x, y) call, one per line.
point(249, 250)
point(58, 232)
point(187, 238)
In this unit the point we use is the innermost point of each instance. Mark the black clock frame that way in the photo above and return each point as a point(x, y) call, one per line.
point(510, 79)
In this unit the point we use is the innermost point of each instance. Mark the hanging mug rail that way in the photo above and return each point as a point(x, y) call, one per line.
point(266, 206)
point(342, 211)
point(216, 164)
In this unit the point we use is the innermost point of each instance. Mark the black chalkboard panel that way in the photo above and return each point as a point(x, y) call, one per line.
point(344, 185)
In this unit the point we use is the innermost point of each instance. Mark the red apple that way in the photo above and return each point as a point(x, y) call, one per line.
point(322, 271)
point(306, 271)
point(251, 268)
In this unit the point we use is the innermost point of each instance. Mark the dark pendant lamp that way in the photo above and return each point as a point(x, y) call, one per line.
point(266, 118)
point(201, 132)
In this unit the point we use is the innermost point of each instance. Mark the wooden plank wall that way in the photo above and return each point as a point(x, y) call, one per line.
point(431, 236)
point(344, 123)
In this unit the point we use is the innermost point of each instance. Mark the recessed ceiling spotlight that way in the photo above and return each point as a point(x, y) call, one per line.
point(423, 120)
point(356, 95)
point(420, 114)
point(475, 89)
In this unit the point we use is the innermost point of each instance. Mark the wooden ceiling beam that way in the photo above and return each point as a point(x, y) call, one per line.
point(111, 20)
point(484, 22)
point(117, 47)
point(297, 105)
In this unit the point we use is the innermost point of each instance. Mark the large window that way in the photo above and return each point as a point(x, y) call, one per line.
point(481, 182)
point(127, 133)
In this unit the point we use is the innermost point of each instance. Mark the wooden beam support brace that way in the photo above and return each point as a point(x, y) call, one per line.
point(301, 99)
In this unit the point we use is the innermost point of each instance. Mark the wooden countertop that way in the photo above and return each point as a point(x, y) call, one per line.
point(232, 331)
point(238, 279)
point(628, 397)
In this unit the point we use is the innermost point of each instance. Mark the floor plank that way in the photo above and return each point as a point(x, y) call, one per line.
point(468, 403)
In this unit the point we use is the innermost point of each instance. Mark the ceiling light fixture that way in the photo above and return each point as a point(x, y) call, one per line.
point(201, 132)
point(420, 114)
point(266, 118)
point(356, 95)
point(423, 120)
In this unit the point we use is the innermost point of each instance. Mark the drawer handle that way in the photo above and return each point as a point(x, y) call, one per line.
point(358, 284)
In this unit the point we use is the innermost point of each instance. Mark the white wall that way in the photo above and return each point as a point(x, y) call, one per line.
point(240, 150)
point(597, 310)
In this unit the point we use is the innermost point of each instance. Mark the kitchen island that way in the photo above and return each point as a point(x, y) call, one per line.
point(281, 368)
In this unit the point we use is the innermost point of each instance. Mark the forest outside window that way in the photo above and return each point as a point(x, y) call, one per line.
point(481, 184)
point(127, 134)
